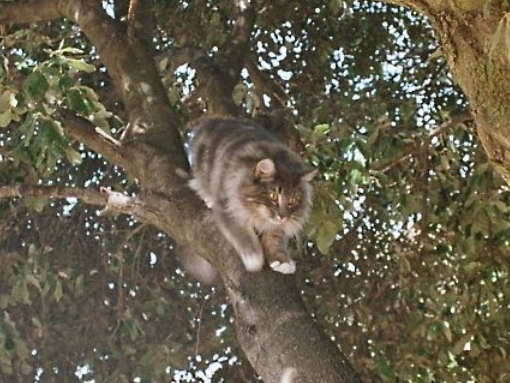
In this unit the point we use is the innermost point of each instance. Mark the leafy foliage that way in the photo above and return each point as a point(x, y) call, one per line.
point(406, 261)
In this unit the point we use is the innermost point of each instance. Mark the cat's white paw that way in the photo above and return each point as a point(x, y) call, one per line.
point(208, 202)
point(288, 267)
point(253, 261)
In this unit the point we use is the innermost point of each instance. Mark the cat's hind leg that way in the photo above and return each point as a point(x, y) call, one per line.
point(196, 185)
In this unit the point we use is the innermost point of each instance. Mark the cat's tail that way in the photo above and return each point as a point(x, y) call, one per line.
point(197, 266)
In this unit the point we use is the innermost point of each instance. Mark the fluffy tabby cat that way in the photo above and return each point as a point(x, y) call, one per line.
point(258, 189)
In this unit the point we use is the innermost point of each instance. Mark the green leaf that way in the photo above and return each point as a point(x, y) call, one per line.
point(36, 84)
point(100, 118)
point(447, 331)
point(322, 129)
point(59, 291)
point(73, 156)
point(162, 64)
point(53, 133)
point(38, 204)
point(174, 95)
point(79, 285)
point(238, 93)
point(335, 6)
point(81, 65)
point(27, 128)
point(501, 206)
point(355, 177)
point(252, 103)
point(6, 118)
point(5, 101)
point(386, 371)
point(4, 301)
point(79, 102)
point(216, 19)
point(5, 365)
point(326, 235)
point(36, 322)
point(33, 281)
point(20, 292)
point(65, 83)
point(460, 345)
point(69, 50)
point(411, 204)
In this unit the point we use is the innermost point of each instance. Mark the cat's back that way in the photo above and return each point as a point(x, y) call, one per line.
point(214, 131)
point(220, 141)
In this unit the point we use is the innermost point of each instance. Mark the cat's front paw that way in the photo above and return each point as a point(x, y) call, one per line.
point(253, 261)
point(284, 267)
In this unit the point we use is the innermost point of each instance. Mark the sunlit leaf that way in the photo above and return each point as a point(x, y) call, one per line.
point(81, 65)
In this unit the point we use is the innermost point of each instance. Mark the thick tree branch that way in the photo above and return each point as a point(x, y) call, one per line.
point(281, 124)
point(285, 347)
point(140, 20)
point(216, 86)
point(93, 137)
point(110, 200)
point(218, 77)
point(238, 47)
point(26, 12)
point(213, 83)
point(121, 8)
point(235, 51)
point(132, 68)
point(92, 197)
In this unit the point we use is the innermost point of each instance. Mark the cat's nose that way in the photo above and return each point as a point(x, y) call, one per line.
point(281, 217)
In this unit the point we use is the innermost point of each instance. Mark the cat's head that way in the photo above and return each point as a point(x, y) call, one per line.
point(279, 192)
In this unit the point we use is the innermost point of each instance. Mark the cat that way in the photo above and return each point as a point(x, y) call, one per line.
point(259, 190)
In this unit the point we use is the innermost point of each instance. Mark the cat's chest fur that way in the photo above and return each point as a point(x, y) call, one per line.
point(258, 189)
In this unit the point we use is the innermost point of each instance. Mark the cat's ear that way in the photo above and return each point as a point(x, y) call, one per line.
point(265, 168)
point(308, 176)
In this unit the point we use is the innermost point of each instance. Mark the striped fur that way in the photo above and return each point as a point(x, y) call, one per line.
point(258, 189)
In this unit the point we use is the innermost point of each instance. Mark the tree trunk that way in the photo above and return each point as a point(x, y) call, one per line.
point(474, 39)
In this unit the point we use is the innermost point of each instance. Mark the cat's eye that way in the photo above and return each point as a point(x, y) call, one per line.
point(273, 196)
point(292, 201)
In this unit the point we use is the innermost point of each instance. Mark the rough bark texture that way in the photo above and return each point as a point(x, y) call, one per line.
point(275, 331)
point(474, 40)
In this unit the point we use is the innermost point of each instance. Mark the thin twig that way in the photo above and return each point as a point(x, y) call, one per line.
point(120, 278)
point(445, 126)
point(202, 306)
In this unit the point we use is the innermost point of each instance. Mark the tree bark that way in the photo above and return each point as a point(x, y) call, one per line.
point(473, 35)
